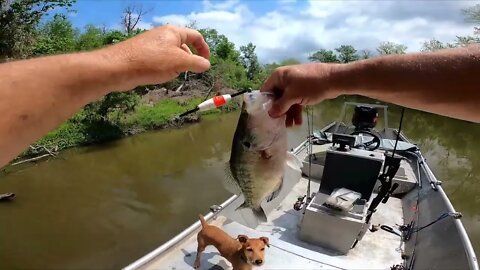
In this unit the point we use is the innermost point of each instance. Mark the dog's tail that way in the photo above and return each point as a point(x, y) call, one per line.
point(202, 220)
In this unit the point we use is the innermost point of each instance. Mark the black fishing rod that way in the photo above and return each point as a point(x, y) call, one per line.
point(392, 164)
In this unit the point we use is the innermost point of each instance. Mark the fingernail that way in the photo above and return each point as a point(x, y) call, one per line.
point(206, 62)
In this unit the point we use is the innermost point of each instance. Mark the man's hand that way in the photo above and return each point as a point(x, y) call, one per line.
point(158, 56)
point(443, 82)
point(299, 85)
point(36, 95)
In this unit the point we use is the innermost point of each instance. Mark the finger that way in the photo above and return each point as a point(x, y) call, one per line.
point(194, 38)
point(296, 112)
point(281, 106)
point(186, 48)
point(195, 64)
point(271, 83)
point(289, 120)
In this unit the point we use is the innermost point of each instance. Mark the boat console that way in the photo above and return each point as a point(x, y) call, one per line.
point(345, 194)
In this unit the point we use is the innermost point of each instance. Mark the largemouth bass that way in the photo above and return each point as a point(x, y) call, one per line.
point(259, 153)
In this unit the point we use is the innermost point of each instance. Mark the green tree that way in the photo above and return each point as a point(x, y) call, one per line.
point(462, 41)
point(472, 15)
point(366, 54)
point(435, 45)
point(230, 73)
point(18, 22)
point(347, 53)
point(225, 50)
point(249, 60)
point(388, 47)
point(56, 36)
point(324, 56)
point(220, 46)
point(113, 37)
point(92, 38)
point(289, 62)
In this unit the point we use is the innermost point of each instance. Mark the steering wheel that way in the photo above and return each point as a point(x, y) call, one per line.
point(371, 145)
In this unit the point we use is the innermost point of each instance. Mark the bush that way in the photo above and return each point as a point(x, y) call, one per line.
point(153, 117)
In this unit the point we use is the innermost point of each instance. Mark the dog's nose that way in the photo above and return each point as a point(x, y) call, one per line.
point(258, 262)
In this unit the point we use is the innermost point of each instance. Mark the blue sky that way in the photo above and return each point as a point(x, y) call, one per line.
point(296, 28)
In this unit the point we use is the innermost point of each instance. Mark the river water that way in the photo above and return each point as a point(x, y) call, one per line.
point(102, 207)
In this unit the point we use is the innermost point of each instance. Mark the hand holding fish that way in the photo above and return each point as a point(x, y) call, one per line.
point(442, 82)
point(297, 86)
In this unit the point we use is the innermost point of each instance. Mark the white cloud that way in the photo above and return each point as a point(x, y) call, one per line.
point(297, 32)
point(215, 5)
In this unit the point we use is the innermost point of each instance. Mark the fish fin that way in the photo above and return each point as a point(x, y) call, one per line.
point(257, 212)
point(260, 214)
point(276, 192)
point(243, 206)
point(294, 162)
point(229, 182)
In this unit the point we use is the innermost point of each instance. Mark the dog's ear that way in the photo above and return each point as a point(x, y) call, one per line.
point(242, 238)
point(265, 240)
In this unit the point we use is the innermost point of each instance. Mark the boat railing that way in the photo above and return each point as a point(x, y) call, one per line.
point(175, 240)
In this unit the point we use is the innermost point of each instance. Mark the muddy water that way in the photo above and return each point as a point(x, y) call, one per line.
point(104, 206)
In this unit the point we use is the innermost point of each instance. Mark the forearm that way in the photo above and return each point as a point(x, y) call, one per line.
point(37, 95)
point(444, 82)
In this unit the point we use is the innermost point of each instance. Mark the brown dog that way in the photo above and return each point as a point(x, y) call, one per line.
point(242, 252)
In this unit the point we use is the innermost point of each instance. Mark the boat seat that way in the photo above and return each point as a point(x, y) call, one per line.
point(342, 199)
point(356, 170)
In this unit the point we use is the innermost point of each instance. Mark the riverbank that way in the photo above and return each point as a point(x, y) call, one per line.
point(157, 109)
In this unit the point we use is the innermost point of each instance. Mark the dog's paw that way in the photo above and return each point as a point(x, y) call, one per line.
point(196, 265)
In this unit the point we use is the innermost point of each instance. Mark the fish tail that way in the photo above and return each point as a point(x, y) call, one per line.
point(202, 221)
point(257, 212)
point(260, 214)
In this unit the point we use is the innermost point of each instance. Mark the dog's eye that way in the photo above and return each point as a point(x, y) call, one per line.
point(249, 249)
point(262, 249)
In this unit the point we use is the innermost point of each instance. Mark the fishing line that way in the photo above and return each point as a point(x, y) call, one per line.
point(309, 151)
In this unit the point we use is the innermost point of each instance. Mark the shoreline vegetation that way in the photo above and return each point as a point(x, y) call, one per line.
point(33, 28)
point(159, 109)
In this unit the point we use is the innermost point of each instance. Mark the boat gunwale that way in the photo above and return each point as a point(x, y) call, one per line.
point(142, 261)
point(467, 244)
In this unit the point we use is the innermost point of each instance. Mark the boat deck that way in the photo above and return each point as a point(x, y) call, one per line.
point(377, 250)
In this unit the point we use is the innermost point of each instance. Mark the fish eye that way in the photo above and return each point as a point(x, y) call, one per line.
point(247, 144)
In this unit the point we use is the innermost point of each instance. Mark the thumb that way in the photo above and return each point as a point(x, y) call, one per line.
point(281, 106)
point(196, 63)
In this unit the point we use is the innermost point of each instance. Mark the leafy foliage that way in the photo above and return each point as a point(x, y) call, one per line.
point(250, 61)
point(92, 38)
point(435, 45)
point(324, 56)
point(342, 54)
point(56, 36)
point(388, 47)
point(366, 54)
point(472, 15)
point(347, 54)
point(18, 22)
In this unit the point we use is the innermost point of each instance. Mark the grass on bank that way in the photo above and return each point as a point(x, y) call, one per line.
point(76, 132)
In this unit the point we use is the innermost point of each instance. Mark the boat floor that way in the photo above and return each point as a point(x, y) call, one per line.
point(377, 250)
